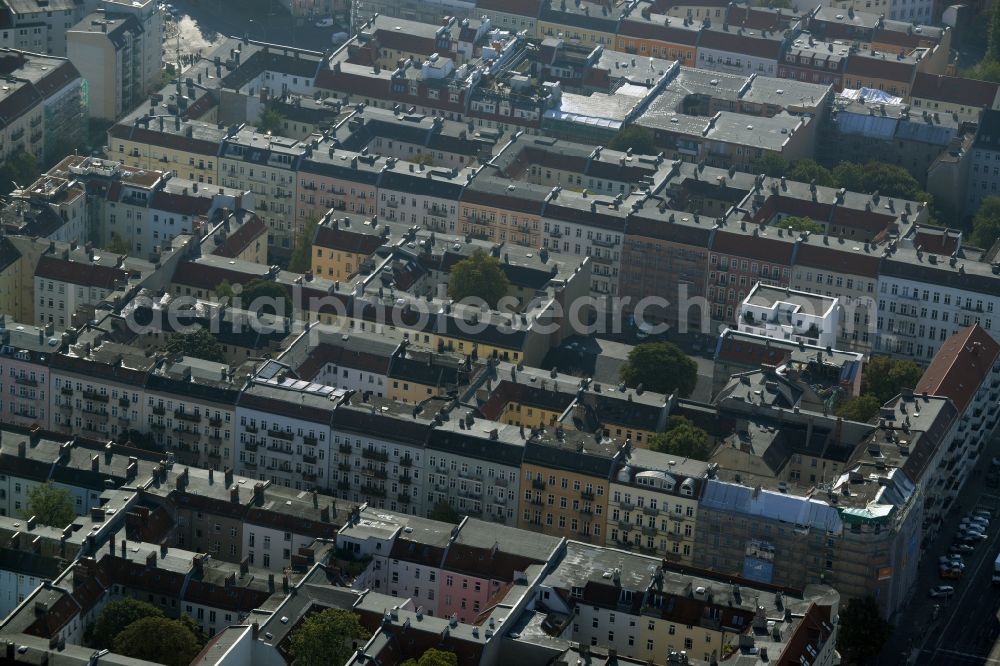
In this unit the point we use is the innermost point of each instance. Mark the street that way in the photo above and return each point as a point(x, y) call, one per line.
point(966, 627)
point(264, 20)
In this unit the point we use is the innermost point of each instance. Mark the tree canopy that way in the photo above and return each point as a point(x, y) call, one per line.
point(884, 376)
point(862, 408)
point(863, 632)
point(270, 121)
point(256, 291)
point(434, 657)
point(661, 367)
point(796, 223)
point(478, 276)
point(158, 639)
point(888, 180)
point(50, 505)
point(118, 245)
point(986, 223)
point(807, 171)
point(639, 139)
point(769, 164)
point(325, 638)
point(22, 168)
point(200, 344)
point(114, 617)
point(301, 260)
point(445, 513)
point(683, 439)
point(993, 38)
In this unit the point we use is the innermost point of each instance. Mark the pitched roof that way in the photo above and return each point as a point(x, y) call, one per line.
point(960, 366)
point(955, 90)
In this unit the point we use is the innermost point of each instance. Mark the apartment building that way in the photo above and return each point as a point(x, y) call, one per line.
point(187, 148)
point(964, 99)
point(565, 479)
point(266, 166)
point(44, 107)
point(190, 408)
point(474, 466)
point(342, 244)
point(965, 369)
point(425, 196)
point(379, 457)
point(653, 504)
point(642, 609)
point(984, 174)
point(284, 430)
point(120, 52)
point(42, 28)
point(790, 315)
point(24, 375)
point(338, 180)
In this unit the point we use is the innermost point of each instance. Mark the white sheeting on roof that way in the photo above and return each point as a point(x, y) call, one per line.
point(792, 509)
point(870, 96)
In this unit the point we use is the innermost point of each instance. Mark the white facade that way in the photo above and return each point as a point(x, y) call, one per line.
point(270, 548)
point(384, 473)
point(785, 314)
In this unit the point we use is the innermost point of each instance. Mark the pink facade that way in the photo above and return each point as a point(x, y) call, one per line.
point(326, 181)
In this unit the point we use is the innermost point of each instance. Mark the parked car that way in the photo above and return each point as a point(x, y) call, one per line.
point(985, 513)
point(325, 23)
point(962, 548)
point(951, 574)
point(975, 536)
point(951, 559)
point(942, 591)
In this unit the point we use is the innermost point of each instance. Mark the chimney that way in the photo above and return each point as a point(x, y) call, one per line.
point(324, 514)
point(22, 448)
point(198, 564)
point(31, 523)
point(234, 494)
point(258, 493)
point(245, 566)
point(284, 583)
point(211, 476)
point(95, 463)
point(151, 560)
point(270, 583)
point(124, 549)
point(228, 477)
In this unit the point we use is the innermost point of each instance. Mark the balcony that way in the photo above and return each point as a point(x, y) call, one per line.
point(376, 473)
point(215, 439)
point(344, 467)
point(344, 485)
point(66, 390)
point(500, 481)
point(215, 422)
point(404, 498)
point(124, 402)
point(345, 449)
point(94, 395)
point(26, 381)
point(250, 446)
point(309, 477)
point(306, 458)
point(406, 479)
point(101, 411)
point(537, 501)
point(310, 440)
point(159, 410)
point(158, 426)
point(587, 495)
point(250, 465)
point(372, 454)
point(649, 511)
point(215, 453)
point(187, 416)
point(538, 484)
point(373, 490)
point(406, 461)
point(250, 429)
point(586, 509)
point(281, 434)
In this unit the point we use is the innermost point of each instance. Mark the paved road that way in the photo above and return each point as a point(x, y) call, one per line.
point(264, 19)
point(966, 629)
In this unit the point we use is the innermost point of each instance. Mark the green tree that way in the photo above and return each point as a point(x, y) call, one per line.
point(158, 639)
point(661, 367)
point(301, 260)
point(883, 377)
point(984, 71)
point(50, 505)
point(889, 180)
point(113, 619)
point(258, 289)
point(225, 290)
point(993, 38)
point(445, 513)
point(270, 121)
point(21, 168)
point(427, 159)
point(478, 276)
point(683, 439)
point(434, 657)
point(806, 171)
point(200, 344)
point(862, 408)
point(639, 139)
point(863, 632)
point(769, 164)
point(326, 637)
point(986, 223)
point(118, 245)
point(795, 223)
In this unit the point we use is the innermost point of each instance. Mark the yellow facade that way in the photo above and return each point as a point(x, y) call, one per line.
point(332, 264)
point(562, 504)
point(500, 225)
point(575, 35)
point(198, 167)
point(652, 522)
point(516, 413)
point(412, 392)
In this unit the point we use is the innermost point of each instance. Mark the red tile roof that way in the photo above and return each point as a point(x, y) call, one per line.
point(954, 90)
point(238, 241)
point(960, 366)
point(77, 272)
